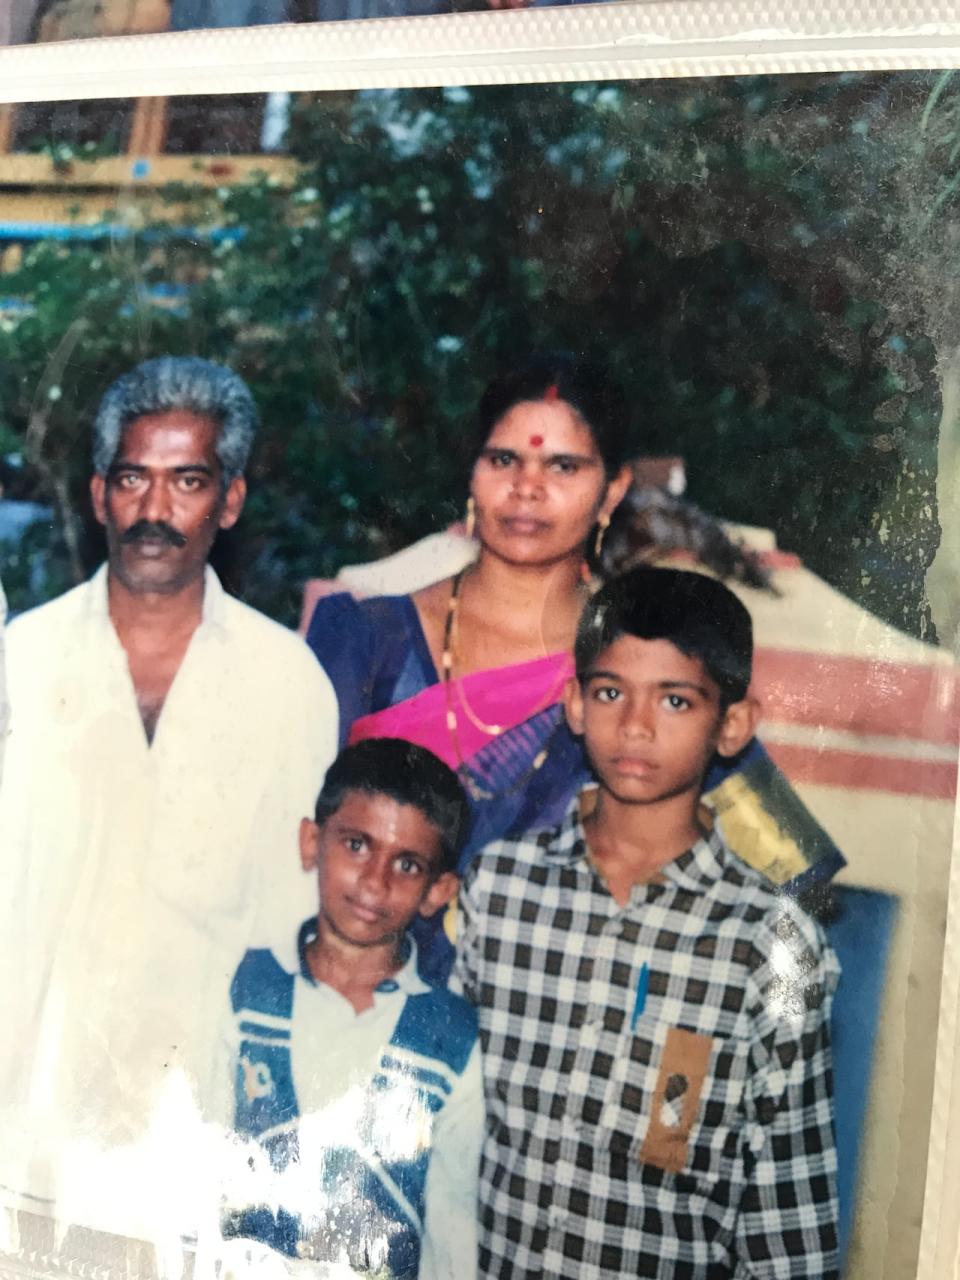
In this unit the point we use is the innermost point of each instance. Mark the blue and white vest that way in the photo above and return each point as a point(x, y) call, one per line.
point(379, 1191)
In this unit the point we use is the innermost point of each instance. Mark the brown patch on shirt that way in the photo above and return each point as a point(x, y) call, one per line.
point(676, 1099)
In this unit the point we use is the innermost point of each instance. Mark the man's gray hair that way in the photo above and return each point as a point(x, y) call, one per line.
point(179, 382)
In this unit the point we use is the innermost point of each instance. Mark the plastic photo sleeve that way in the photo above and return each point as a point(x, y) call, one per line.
point(746, 218)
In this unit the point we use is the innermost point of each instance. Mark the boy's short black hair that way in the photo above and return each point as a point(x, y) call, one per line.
point(407, 774)
point(697, 614)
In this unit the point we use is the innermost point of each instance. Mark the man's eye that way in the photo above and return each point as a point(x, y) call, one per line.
point(126, 479)
point(190, 483)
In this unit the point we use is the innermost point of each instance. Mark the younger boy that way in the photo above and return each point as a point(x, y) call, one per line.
point(361, 1082)
point(654, 1017)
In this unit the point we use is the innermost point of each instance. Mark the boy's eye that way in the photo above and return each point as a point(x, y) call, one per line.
point(606, 693)
point(409, 866)
point(354, 843)
point(676, 702)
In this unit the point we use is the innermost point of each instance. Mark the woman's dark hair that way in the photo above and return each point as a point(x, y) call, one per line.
point(697, 614)
point(579, 383)
point(408, 774)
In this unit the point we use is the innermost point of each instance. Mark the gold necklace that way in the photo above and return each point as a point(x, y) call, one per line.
point(466, 774)
point(450, 632)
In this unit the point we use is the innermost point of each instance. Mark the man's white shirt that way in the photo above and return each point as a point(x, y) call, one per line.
point(135, 876)
point(3, 682)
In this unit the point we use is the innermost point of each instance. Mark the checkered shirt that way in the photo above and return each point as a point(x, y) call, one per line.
point(670, 1123)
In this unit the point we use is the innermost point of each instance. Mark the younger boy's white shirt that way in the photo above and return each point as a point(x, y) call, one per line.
point(334, 1053)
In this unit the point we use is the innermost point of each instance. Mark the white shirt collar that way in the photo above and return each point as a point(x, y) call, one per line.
point(214, 598)
point(406, 978)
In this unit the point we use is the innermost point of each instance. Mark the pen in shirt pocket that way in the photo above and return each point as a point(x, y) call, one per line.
point(640, 1001)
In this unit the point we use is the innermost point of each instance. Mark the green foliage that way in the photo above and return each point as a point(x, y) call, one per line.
point(733, 249)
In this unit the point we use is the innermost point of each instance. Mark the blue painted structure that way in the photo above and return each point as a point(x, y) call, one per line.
point(861, 936)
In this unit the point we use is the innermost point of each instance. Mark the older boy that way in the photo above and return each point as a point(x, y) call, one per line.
point(654, 1017)
point(361, 1082)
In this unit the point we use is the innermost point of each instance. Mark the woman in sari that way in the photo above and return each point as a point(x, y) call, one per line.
point(473, 667)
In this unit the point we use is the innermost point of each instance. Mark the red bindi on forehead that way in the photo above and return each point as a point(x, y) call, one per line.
point(536, 441)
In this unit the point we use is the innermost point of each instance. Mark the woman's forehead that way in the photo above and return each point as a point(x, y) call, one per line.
point(553, 426)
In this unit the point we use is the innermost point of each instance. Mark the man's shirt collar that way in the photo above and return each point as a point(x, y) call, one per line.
point(214, 599)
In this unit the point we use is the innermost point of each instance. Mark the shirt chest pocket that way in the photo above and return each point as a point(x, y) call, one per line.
point(676, 1102)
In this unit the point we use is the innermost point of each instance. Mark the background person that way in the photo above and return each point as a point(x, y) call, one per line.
point(165, 739)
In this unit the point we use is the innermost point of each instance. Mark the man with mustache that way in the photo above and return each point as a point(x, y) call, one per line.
point(165, 740)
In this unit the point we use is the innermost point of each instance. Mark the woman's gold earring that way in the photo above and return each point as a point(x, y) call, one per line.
point(603, 524)
point(471, 521)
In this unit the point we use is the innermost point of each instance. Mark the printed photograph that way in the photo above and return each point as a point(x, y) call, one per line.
point(481, 716)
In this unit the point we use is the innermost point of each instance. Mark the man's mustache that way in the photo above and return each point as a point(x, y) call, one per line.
point(153, 531)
